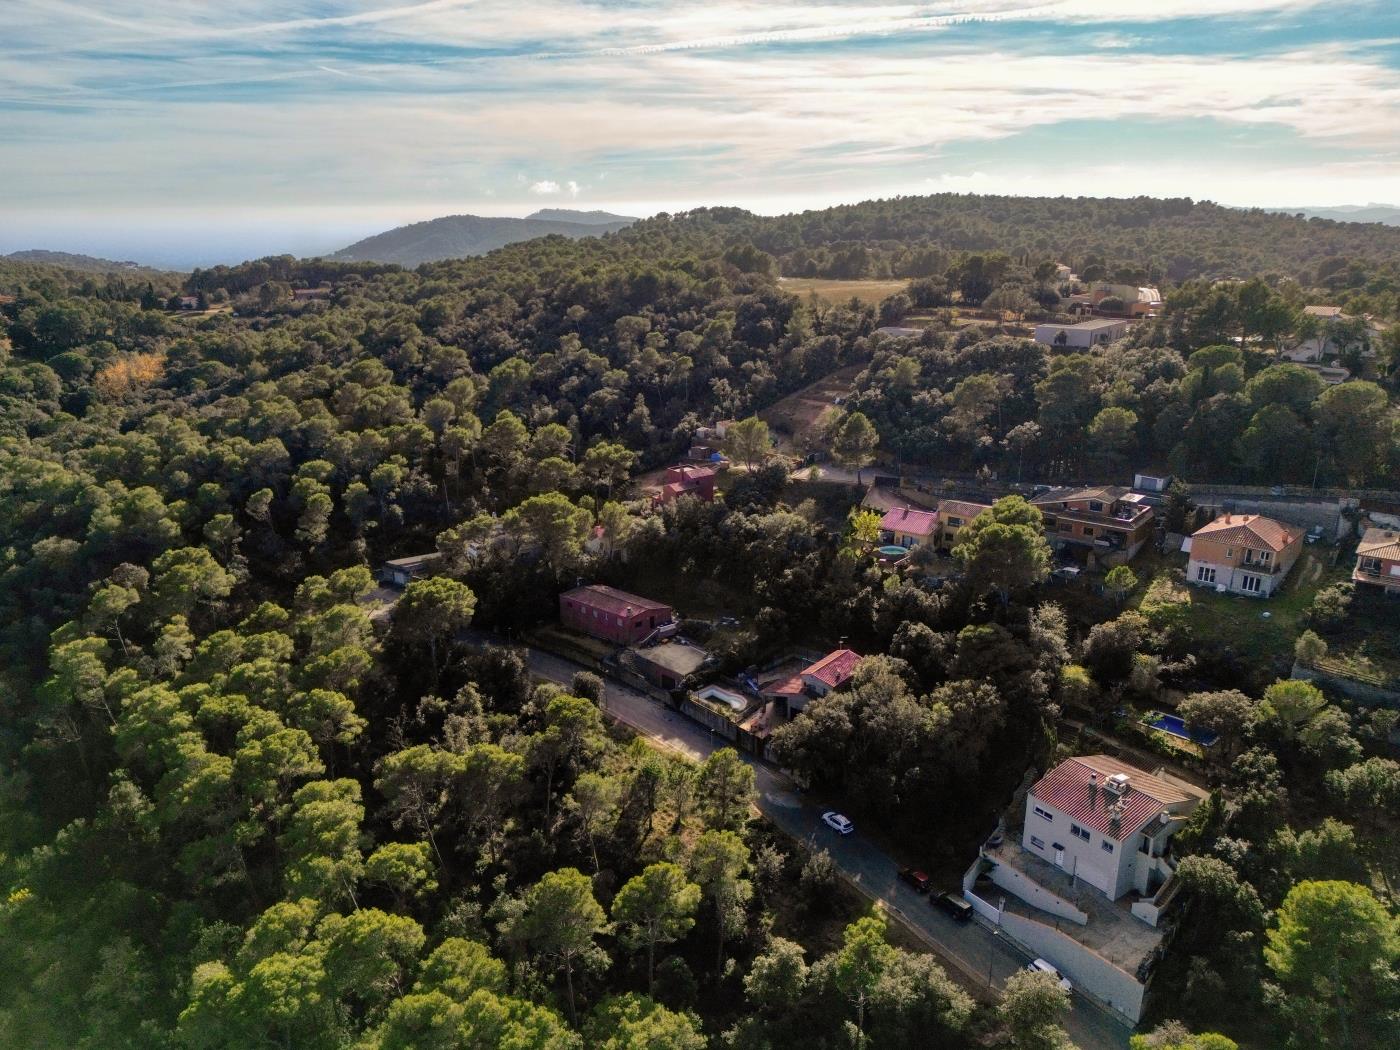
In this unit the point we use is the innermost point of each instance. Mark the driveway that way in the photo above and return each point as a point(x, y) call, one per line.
point(971, 950)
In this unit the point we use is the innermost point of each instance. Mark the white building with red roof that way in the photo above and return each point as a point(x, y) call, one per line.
point(832, 671)
point(908, 527)
point(1106, 823)
point(1245, 554)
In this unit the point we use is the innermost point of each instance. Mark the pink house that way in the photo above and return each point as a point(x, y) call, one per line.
point(909, 528)
point(688, 481)
point(610, 614)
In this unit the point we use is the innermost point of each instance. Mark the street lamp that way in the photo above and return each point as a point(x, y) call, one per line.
point(991, 954)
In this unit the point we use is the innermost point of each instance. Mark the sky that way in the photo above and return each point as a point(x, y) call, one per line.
point(187, 134)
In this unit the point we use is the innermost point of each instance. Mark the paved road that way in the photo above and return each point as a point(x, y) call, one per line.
point(971, 950)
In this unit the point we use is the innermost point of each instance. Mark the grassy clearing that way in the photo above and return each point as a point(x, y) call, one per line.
point(1232, 621)
point(829, 291)
point(805, 411)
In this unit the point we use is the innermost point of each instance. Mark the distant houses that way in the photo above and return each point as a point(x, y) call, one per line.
point(1246, 554)
point(1083, 334)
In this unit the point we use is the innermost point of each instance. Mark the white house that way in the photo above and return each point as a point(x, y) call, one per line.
point(1323, 344)
point(1107, 823)
point(1083, 335)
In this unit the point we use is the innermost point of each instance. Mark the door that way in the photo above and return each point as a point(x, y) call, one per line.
point(1059, 855)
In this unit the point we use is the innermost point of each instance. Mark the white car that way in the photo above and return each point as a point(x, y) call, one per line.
point(836, 822)
point(1041, 966)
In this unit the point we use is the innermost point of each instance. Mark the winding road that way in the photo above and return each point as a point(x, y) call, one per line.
point(981, 958)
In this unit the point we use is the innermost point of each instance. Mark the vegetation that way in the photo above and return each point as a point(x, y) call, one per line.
point(240, 812)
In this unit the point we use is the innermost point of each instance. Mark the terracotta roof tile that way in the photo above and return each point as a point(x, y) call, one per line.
point(1066, 788)
point(914, 522)
point(611, 600)
point(834, 668)
point(1250, 530)
point(1380, 543)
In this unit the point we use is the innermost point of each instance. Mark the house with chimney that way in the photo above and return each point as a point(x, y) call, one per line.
point(1378, 560)
point(1107, 823)
point(908, 527)
point(1089, 876)
point(1246, 554)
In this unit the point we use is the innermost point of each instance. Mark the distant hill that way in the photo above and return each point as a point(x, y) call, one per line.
point(69, 261)
point(1389, 214)
point(588, 218)
point(459, 236)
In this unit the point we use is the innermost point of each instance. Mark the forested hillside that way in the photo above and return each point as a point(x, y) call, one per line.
point(238, 812)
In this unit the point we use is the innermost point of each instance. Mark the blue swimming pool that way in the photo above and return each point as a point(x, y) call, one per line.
point(893, 551)
point(1174, 725)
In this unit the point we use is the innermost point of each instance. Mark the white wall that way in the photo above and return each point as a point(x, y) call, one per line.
point(1018, 884)
point(1089, 971)
point(1084, 860)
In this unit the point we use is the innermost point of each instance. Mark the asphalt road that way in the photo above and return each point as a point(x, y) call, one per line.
point(972, 951)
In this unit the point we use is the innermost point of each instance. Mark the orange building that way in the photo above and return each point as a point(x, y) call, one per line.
point(1243, 554)
point(1378, 560)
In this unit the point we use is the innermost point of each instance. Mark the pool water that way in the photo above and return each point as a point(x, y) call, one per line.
point(893, 552)
point(1174, 725)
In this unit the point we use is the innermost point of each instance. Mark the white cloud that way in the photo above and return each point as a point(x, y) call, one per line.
point(545, 188)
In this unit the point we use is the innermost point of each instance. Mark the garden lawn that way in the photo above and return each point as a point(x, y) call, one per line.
point(1234, 621)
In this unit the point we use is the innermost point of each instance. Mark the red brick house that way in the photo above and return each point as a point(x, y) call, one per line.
point(688, 481)
point(610, 614)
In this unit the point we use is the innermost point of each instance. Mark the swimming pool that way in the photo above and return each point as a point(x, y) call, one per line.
point(724, 696)
point(892, 551)
point(1174, 725)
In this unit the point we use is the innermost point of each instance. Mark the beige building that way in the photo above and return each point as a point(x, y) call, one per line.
point(1245, 554)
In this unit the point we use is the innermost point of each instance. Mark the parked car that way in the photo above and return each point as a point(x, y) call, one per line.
point(836, 822)
point(957, 907)
point(1041, 966)
point(915, 878)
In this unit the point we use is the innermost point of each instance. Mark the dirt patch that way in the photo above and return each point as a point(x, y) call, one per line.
point(797, 418)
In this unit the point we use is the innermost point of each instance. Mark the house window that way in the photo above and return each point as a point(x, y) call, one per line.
point(1080, 833)
point(1096, 506)
point(1066, 526)
point(954, 522)
point(1037, 843)
point(1250, 584)
point(1265, 557)
point(1088, 530)
point(1044, 814)
point(1205, 574)
point(1229, 553)
point(1106, 846)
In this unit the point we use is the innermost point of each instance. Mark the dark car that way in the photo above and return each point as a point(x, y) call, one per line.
point(915, 878)
point(954, 906)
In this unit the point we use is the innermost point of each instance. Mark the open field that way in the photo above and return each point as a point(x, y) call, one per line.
point(830, 291)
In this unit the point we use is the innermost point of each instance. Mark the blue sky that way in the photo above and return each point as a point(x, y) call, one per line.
point(204, 132)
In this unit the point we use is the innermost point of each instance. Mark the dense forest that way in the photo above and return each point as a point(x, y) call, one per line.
point(238, 812)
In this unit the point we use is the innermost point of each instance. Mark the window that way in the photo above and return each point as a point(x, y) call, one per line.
point(1080, 833)
point(1205, 574)
point(1229, 553)
point(1066, 526)
point(1106, 846)
point(1044, 814)
point(954, 522)
point(1250, 584)
point(1265, 557)
point(1037, 843)
point(1096, 506)
point(1088, 530)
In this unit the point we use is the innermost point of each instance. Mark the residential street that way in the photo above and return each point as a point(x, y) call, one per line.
point(970, 950)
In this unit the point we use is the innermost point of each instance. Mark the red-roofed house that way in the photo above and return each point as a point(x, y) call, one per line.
point(909, 528)
point(832, 671)
point(1243, 554)
point(610, 614)
point(1378, 560)
point(1107, 823)
point(688, 481)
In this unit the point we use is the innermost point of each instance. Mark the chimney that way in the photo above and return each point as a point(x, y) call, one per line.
point(1093, 790)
